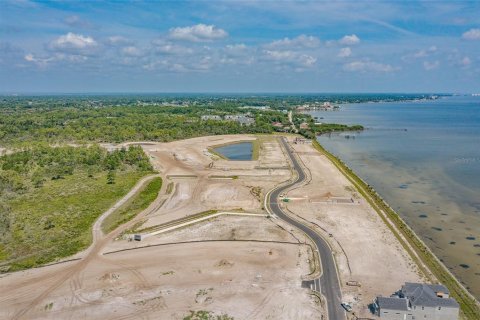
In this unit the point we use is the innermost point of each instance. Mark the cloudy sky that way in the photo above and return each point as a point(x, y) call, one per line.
point(239, 46)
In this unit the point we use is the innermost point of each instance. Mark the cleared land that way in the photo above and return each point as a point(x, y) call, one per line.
point(246, 267)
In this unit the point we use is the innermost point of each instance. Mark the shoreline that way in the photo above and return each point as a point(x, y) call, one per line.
point(421, 254)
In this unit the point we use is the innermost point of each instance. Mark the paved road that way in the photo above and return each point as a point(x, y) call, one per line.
point(329, 283)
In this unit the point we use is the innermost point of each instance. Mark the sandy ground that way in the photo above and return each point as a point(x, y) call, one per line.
point(165, 282)
point(195, 174)
point(247, 267)
point(364, 248)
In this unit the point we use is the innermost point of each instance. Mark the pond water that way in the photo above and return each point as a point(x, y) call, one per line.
point(237, 151)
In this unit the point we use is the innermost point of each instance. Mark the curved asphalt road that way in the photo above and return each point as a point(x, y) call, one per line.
point(329, 281)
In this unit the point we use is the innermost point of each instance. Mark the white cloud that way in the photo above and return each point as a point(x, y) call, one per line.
point(302, 41)
point(41, 62)
point(239, 54)
point(185, 64)
point(76, 58)
point(236, 50)
point(77, 22)
point(344, 52)
point(118, 41)
point(472, 34)
point(425, 52)
point(197, 33)
point(72, 41)
point(349, 40)
point(289, 57)
point(164, 47)
point(176, 67)
point(236, 46)
point(428, 65)
point(279, 55)
point(456, 58)
point(364, 66)
point(132, 51)
point(307, 61)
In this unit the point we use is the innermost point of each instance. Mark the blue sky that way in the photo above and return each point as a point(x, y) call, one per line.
point(239, 46)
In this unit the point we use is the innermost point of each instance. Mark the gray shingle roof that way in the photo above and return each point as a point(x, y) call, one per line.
point(392, 303)
point(426, 295)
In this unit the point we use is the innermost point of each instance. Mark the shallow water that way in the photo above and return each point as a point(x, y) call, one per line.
point(424, 159)
point(237, 151)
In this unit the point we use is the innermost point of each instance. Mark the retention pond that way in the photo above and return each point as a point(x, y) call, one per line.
point(236, 151)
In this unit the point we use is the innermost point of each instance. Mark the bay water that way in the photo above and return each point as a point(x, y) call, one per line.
point(423, 158)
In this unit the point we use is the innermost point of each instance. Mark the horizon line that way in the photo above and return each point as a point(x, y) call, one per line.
point(40, 93)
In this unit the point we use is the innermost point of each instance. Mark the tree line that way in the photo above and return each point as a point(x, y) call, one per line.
point(31, 167)
point(125, 123)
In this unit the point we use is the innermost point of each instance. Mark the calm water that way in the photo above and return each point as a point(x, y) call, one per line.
point(237, 151)
point(424, 159)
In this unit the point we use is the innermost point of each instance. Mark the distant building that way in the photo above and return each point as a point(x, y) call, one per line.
point(417, 301)
point(243, 120)
point(211, 117)
point(256, 107)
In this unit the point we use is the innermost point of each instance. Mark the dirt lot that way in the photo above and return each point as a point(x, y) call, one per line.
point(247, 267)
point(196, 175)
point(248, 275)
point(245, 280)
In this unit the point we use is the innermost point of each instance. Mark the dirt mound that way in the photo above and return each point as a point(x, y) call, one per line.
point(110, 277)
point(224, 263)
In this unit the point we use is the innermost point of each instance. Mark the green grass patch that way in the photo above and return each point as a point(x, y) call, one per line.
point(469, 306)
point(206, 315)
point(181, 176)
point(55, 221)
point(135, 205)
point(178, 221)
point(255, 149)
point(223, 177)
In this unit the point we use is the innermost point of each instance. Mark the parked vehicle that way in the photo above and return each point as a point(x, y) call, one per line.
point(346, 306)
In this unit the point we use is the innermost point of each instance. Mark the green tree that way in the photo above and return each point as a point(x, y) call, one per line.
point(111, 177)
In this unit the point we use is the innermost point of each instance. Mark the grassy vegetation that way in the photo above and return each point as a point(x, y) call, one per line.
point(55, 221)
point(206, 315)
point(468, 305)
point(314, 128)
point(178, 221)
point(50, 197)
point(223, 177)
point(255, 149)
point(135, 205)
